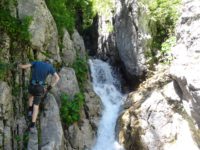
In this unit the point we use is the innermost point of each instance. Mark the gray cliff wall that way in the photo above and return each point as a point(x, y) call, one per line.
point(124, 36)
point(163, 113)
point(132, 35)
point(185, 67)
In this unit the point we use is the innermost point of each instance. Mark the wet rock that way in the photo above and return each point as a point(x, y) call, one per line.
point(82, 135)
point(93, 106)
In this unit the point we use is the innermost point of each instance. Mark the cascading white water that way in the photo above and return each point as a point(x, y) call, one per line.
point(104, 86)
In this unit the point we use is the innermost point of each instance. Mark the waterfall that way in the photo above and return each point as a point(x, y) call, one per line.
point(104, 83)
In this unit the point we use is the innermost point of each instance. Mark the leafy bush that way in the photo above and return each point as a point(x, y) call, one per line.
point(164, 14)
point(85, 7)
point(165, 53)
point(70, 109)
point(81, 70)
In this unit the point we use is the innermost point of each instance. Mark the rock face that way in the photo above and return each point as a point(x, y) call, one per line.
point(164, 112)
point(33, 141)
point(67, 84)
point(6, 116)
point(185, 67)
point(20, 127)
point(93, 106)
point(81, 135)
point(106, 35)
point(78, 44)
point(4, 46)
point(52, 136)
point(44, 34)
point(132, 35)
point(51, 129)
point(68, 50)
point(124, 36)
point(156, 119)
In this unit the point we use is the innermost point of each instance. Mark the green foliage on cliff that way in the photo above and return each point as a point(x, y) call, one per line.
point(64, 17)
point(70, 109)
point(165, 52)
point(18, 33)
point(81, 69)
point(15, 28)
point(104, 7)
point(164, 15)
point(67, 12)
point(7, 4)
point(75, 13)
point(3, 70)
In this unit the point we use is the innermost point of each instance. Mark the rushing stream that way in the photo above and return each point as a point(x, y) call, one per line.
point(104, 84)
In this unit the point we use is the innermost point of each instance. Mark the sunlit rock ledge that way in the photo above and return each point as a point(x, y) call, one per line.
point(155, 117)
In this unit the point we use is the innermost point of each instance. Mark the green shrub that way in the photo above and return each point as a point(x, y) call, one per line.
point(81, 69)
point(164, 15)
point(165, 53)
point(70, 109)
point(85, 7)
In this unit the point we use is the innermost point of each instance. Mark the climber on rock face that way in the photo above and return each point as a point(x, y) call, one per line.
point(40, 71)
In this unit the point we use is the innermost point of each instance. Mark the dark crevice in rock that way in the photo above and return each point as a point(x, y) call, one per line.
point(86, 110)
point(90, 36)
point(178, 90)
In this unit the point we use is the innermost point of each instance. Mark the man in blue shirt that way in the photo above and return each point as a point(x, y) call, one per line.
point(40, 71)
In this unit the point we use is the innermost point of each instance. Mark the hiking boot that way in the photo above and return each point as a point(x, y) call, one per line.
point(32, 130)
point(30, 113)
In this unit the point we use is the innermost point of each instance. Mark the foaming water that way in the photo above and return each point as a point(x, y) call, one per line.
point(104, 85)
